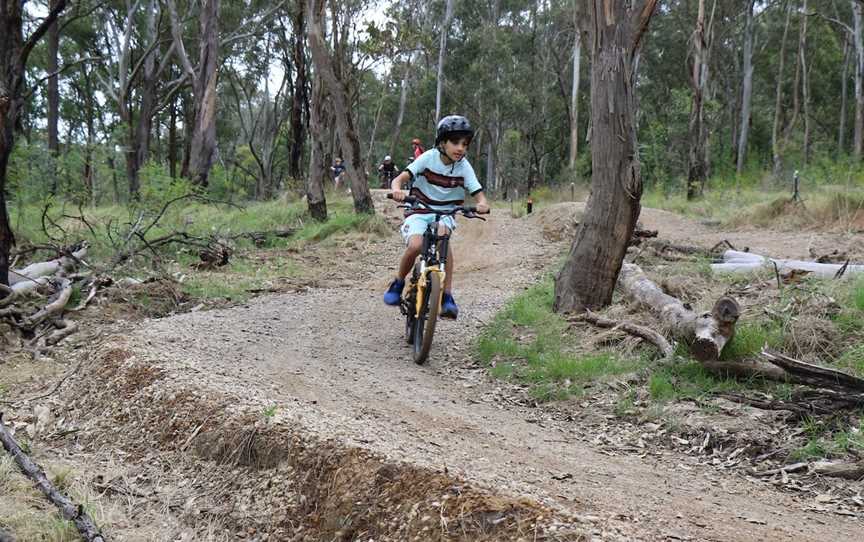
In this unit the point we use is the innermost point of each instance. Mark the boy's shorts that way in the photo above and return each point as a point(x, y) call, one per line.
point(416, 224)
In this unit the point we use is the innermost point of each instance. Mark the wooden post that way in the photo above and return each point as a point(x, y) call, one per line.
point(572, 191)
point(796, 196)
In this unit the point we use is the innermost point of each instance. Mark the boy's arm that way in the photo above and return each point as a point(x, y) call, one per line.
point(482, 204)
point(396, 185)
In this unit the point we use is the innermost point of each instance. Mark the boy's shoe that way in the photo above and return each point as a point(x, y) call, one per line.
point(394, 292)
point(449, 309)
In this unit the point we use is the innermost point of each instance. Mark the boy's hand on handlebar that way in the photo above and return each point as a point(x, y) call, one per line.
point(483, 208)
point(398, 195)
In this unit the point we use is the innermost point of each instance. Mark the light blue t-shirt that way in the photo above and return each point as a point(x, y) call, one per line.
point(439, 185)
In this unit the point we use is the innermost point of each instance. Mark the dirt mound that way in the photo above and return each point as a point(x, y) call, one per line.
point(267, 479)
point(558, 221)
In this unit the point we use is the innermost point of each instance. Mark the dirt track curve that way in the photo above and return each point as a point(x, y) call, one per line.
point(335, 363)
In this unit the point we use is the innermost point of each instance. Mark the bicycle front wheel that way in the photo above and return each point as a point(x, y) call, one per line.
point(424, 325)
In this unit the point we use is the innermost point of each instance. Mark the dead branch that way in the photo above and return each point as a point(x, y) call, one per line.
point(706, 333)
point(8, 296)
point(849, 471)
point(54, 308)
point(68, 509)
point(65, 328)
point(813, 375)
point(642, 332)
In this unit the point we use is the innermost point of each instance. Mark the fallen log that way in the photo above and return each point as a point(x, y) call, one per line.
point(76, 514)
point(45, 269)
point(801, 372)
point(644, 333)
point(747, 262)
point(849, 471)
point(706, 333)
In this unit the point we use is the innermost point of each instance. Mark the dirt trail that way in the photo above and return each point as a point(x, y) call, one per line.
point(334, 362)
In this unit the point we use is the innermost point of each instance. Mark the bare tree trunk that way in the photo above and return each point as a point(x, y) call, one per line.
point(318, 169)
point(400, 115)
point(172, 138)
point(442, 51)
point(698, 168)
point(53, 43)
point(324, 65)
point(746, 88)
point(204, 135)
point(300, 100)
point(778, 99)
point(588, 278)
point(805, 79)
point(574, 99)
point(844, 98)
point(858, 37)
point(144, 126)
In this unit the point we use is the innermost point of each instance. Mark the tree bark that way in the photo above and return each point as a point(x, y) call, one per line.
point(805, 79)
point(844, 98)
point(14, 52)
point(300, 99)
point(588, 277)
point(318, 169)
point(698, 167)
point(746, 89)
point(204, 135)
point(53, 43)
point(442, 52)
point(574, 99)
point(778, 98)
point(858, 38)
point(324, 65)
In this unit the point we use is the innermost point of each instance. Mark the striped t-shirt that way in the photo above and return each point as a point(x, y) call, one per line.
point(439, 185)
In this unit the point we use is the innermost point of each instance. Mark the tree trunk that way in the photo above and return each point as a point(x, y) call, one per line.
point(53, 43)
point(442, 52)
point(143, 128)
point(14, 51)
point(778, 98)
point(300, 100)
point(697, 170)
point(400, 115)
point(317, 166)
point(805, 79)
point(204, 135)
point(574, 100)
point(746, 88)
point(858, 37)
point(172, 138)
point(844, 98)
point(588, 278)
point(324, 65)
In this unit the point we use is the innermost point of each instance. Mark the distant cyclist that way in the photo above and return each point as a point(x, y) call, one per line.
point(338, 170)
point(386, 171)
point(418, 148)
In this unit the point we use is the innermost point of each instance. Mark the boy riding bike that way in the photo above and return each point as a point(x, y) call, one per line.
point(440, 178)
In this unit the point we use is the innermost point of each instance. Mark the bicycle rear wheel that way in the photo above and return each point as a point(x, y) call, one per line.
point(424, 325)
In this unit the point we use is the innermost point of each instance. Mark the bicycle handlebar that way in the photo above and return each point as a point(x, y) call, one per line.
point(469, 212)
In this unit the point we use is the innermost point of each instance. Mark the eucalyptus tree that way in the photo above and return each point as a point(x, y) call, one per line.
point(15, 50)
point(330, 69)
point(588, 277)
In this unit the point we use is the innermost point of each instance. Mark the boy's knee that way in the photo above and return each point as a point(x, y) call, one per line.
point(415, 244)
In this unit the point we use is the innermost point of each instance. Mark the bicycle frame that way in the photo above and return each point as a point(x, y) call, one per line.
point(433, 259)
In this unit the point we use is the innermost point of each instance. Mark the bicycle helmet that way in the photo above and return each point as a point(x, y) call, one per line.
point(387, 158)
point(453, 125)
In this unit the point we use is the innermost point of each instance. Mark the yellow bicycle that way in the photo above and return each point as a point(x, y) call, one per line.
point(421, 300)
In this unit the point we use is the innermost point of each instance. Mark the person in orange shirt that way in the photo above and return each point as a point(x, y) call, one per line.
point(418, 148)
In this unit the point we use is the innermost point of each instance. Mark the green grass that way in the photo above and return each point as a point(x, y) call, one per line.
point(527, 343)
point(750, 337)
point(689, 380)
point(822, 442)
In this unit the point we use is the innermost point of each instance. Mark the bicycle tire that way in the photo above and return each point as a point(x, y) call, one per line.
point(424, 326)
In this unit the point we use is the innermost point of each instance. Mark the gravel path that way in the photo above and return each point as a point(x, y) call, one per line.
point(334, 361)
